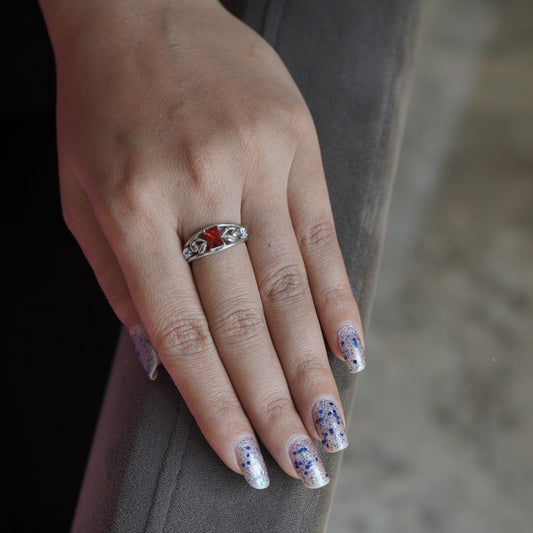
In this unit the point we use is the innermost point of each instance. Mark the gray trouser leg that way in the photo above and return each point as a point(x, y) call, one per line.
point(150, 468)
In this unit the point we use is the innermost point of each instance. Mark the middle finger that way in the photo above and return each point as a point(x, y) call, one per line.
point(228, 289)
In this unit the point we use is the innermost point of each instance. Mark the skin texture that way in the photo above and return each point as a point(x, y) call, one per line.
point(172, 116)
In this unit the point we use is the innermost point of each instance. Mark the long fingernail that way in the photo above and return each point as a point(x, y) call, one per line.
point(307, 463)
point(251, 462)
point(351, 347)
point(329, 424)
point(145, 351)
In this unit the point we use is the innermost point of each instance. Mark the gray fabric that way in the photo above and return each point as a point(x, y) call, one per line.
point(150, 468)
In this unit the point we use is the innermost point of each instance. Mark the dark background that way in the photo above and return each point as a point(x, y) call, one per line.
point(61, 332)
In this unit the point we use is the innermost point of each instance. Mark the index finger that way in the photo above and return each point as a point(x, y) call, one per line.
point(162, 288)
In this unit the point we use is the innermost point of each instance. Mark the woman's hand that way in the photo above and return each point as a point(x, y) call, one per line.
point(174, 116)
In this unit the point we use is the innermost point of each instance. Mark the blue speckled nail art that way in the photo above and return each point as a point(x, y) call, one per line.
point(251, 462)
point(145, 351)
point(307, 463)
point(351, 347)
point(329, 424)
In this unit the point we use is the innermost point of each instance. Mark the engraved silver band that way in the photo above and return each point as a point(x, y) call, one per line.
point(214, 239)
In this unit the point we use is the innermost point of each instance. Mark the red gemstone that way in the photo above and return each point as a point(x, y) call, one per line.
point(214, 239)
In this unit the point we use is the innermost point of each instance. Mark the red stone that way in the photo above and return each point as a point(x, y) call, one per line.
point(214, 239)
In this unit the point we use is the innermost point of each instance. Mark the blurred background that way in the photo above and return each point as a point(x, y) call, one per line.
point(442, 430)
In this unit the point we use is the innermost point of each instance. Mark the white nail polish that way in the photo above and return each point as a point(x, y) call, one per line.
point(251, 462)
point(351, 347)
point(329, 424)
point(307, 463)
point(145, 351)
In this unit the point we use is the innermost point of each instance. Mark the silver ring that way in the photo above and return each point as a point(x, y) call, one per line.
point(214, 239)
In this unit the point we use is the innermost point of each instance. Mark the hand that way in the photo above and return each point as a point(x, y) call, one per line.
point(173, 116)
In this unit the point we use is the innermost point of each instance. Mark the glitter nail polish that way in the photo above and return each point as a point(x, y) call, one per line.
point(329, 424)
point(251, 462)
point(307, 463)
point(351, 347)
point(145, 351)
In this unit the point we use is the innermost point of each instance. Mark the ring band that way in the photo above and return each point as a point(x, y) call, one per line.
point(214, 239)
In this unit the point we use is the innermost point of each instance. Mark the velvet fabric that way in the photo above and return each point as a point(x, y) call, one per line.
point(150, 469)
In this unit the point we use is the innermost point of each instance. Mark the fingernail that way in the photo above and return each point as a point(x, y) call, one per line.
point(251, 462)
point(307, 463)
point(329, 424)
point(351, 347)
point(145, 351)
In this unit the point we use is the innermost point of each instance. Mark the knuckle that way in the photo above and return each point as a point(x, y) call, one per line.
point(129, 205)
point(198, 162)
point(242, 324)
point(337, 298)
point(204, 168)
point(275, 129)
point(277, 409)
point(184, 337)
point(131, 198)
point(319, 234)
point(220, 406)
point(294, 115)
point(308, 373)
point(287, 282)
